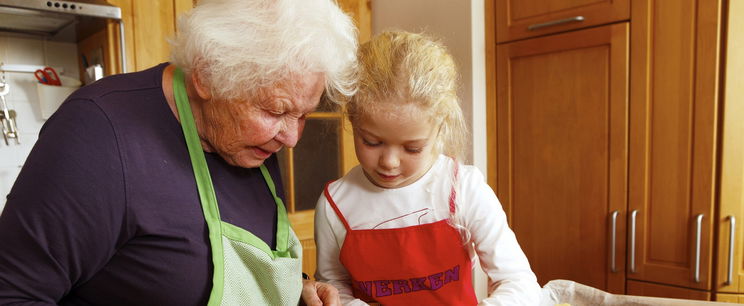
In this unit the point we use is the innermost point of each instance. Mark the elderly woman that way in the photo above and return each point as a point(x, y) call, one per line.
point(161, 187)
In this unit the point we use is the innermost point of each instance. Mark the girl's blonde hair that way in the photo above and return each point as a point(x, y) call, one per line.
point(239, 47)
point(409, 68)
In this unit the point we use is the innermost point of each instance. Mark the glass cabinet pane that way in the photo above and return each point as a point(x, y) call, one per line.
point(316, 160)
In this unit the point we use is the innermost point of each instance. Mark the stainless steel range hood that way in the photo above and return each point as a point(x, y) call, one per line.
point(68, 21)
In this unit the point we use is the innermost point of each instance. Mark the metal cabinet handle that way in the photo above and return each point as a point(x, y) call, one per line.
point(122, 47)
point(698, 229)
point(614, 239)
point(555, 22)
point(633, 215)
point(732, 234)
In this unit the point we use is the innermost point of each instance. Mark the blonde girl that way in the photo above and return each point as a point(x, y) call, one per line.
point(401, 228)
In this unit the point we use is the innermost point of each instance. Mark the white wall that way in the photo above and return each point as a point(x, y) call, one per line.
point(24, 99)
point(461, 27)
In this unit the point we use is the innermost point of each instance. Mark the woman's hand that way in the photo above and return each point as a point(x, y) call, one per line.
point(318, 294)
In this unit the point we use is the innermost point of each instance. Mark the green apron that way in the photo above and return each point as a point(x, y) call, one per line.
point(246, 270)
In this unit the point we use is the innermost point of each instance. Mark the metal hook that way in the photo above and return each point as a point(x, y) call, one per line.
point(2, 75)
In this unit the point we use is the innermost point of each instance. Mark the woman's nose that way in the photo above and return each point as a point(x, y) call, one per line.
point(290, 132)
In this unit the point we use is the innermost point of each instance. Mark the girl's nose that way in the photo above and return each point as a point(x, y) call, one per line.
point(389, 160)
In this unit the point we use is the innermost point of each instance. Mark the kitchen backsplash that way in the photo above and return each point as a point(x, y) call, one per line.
point(24, 99)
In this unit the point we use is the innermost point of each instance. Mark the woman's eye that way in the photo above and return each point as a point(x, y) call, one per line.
point(275, 113)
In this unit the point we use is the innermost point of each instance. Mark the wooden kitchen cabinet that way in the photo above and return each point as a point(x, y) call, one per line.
point(657, 290)
point(730, 298)
point(667, 156)
point(147, 25)
point(562, 141)
point(730, 223)
point(674, 110)
point(519, 19)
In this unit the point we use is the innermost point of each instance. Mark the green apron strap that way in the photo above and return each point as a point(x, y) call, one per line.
point(203, 184)
point(207, 196)
point(282, 222)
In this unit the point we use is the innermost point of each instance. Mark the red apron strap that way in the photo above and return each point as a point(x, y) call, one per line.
point(453, 193)
point(335, 208)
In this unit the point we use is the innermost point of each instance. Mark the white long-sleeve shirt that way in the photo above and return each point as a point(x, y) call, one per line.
point(367, 206)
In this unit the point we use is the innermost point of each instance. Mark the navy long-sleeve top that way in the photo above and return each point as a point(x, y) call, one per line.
point(106, 212)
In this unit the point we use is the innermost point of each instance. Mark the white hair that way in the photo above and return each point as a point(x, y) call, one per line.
point(238, 47)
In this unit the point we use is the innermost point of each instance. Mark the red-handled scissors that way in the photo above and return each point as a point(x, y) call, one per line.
point(47, 76)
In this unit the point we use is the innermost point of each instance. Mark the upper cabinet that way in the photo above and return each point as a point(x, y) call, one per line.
point(146, 26)
point(519, 19)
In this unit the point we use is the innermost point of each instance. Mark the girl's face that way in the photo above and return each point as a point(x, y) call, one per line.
point(395, 150)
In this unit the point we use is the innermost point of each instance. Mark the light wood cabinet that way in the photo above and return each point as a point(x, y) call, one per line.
point(151, 23)
point(562, 109)
point(147, 25)
point(674, 110)
point(665, 162)
point(658, 290)
point(730, 298)
point(730, 219)
point(519, 19)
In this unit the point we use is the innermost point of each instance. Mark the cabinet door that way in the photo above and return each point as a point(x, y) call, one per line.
point(147, 25)
point(562, 151)
point(730, 298)
point(516, 19)
point(656, 290)
point(673, 113)
point(730, 265)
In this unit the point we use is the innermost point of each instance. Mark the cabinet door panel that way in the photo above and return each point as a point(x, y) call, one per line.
point(562, 156)
point(674, 55)
point(730, 298)
point(731, 192)
point(516, 19)
point(657, 290)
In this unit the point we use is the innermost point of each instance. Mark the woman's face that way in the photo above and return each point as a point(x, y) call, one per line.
point(247, 132)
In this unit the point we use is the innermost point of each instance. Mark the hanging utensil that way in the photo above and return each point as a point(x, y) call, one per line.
point(7, 116)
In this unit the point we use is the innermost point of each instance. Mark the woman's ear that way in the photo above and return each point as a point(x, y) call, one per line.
point(201, 88)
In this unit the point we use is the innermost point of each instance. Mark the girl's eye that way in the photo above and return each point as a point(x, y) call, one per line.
point(414, 150)
point(369, 143)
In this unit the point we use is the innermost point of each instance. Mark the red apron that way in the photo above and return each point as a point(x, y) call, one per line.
point(423, 264)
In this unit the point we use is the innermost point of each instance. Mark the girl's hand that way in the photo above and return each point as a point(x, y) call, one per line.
point(319, 294)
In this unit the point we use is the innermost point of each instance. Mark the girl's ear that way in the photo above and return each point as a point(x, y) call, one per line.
point(201, 88)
